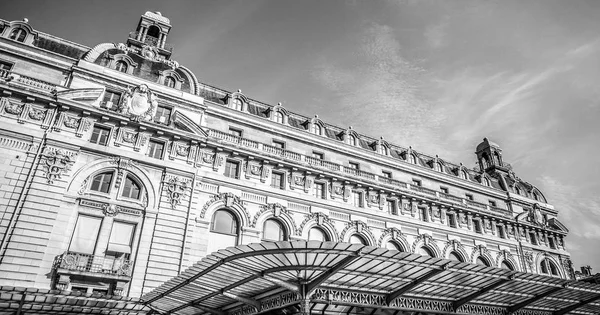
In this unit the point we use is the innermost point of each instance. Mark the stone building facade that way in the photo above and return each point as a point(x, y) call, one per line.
point(119, 169)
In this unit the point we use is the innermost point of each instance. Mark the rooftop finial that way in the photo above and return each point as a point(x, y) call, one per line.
point(26, 20)
point(239, 90)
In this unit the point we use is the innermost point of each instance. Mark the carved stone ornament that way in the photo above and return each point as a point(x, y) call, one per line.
point(320, 218)
point(176, 189)
point(110, 210)
point(255, 169)
point(182, 150)
point(56, 162)
point(276, 209)
point(207, 157)
point(71, 122)
point(535, 215)
point(140, 104)
point(298, 180)
point(529, 259)
point(13, 108)
point(37, 114)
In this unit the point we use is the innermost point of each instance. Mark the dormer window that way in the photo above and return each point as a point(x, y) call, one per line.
point(486, 182)
point(316, 129)
point(121, 66)
point(412, 159)
point(438, 166)
point(18, 34)
point(279, 117)
point(383, 150)
point(237, 104)
point(352, 140)
point(170, 82)
point(536, 197)
point(517, 190)
point(463, 175)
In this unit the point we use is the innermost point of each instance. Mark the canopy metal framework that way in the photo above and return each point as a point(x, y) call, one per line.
point(333, 278)
point(17, 301)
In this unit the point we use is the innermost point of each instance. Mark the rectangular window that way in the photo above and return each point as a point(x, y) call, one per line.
point(551, 242)
point(318, 155)
point(533, 238)
point(5, 65)
point(277, 180)
point(156, 149)
point(386, 174)
point(469, 197)
point(423, 213)
point(100, 135)
point(357, 198)
point(232, 168)
point(235, 132)
point(121, 236)
point(451, 218)
point(391, 206)
point(492, 203)
point(416, 182)
point(444, 190)
point(111, 100)
point(500, 231)
point(320, 190)
point(354, 165)
point(279, 144)
point(163, 115)
point(477, 226)
point(85, 235)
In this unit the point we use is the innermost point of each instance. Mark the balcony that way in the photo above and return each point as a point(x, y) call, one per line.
point(97, 266)
point(23, 80)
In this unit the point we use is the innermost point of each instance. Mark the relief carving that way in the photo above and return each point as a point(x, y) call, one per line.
point(56, 162)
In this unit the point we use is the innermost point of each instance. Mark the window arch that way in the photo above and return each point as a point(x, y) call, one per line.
point(316, 129)
point(170, 81)
point(121, 66)
point(317, 234)
point(19, 34)
point(383, 150)
point(438, 166)
point(357, 239)
point(412, 159)
point(153, 31)
point(463, 174)
point(549, 267)
point(131, 189)
point(482, 261)
point(224, 230)
point(352, 140)
point(486, 182)
point(506, 265)
point(391, 245)
point(102, 182)
point(517, 190)
point(424, 251)
point(238, 104)
point(279, 117)
point(273, 231)
point(454, 256)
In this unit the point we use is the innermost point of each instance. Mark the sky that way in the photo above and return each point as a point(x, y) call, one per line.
point(435, 75)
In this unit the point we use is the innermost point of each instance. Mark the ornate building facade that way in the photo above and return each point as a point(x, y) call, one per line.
point(120, 169)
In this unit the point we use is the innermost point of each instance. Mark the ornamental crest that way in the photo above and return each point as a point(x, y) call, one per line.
point(110, 210)
point(529, 259)
point(176, 189)
point(255, 169)
point(140, 104)
point(56, 162)
point(298, 180)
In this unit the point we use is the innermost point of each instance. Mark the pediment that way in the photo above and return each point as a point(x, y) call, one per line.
point(184, 123)
point(88, 95)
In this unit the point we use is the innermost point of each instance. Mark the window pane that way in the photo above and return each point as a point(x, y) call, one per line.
point(454, 256)
point(357, 239)
point(481, 261)
point(231, 169)
point(224, 222)
point(101, 182)
point(273, 231)
point(85, 235)
point(316, 234)
point(163, 115)
point(424, 251)
point(121, 236)
point(131, 189)
point(505, 265)
point(393, 246)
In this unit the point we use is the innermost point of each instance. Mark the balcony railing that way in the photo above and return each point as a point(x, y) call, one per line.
point(96, 264)
point(357, 172)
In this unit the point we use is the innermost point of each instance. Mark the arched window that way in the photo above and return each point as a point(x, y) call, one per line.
point(121, 66)
point(463, 174)
point(517, 190)
point(352, 140)
point(279, 117)
point(237, 104)
point(506, 265)
point(535, 196)
point(317, 234)
point(273, 231)
point(455, 257)
point(438, 166)
point(357, 239)
point(170, 81)
point(101, 182)
point(316, 129)
point(383, 150)
point(152, 35)
point(391, 245)
point(131, 189)
point(18, 34)
point(424, 251)
point(549, 268)
point(482, 261)
point(412, 159)
point(224, 230)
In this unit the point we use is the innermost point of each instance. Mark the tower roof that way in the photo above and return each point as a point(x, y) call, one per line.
point(157, 16)
point(485, 144)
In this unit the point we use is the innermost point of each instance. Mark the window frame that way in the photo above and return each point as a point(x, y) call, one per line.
point(237, 164)
point(279, 117)
point(354, 165)
point(278, 144)
point(386, 174)
point(110, 182)
point(417, 182)
point(391, 206)
point(237, 132)
point(319, 190)
point(235, 220)
point(444, 190)
point(136, 182)
point(469, 197)
point(105, 100)
point(477, 226)
point(153, 149)
point(358, 198)
point(122, 66)
point(162, 109)
point(101, 127)
point(18, 34)
point(6, 63)
point(283, 231)
point(170, 81)
point(318, 155)
point(281, 182)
